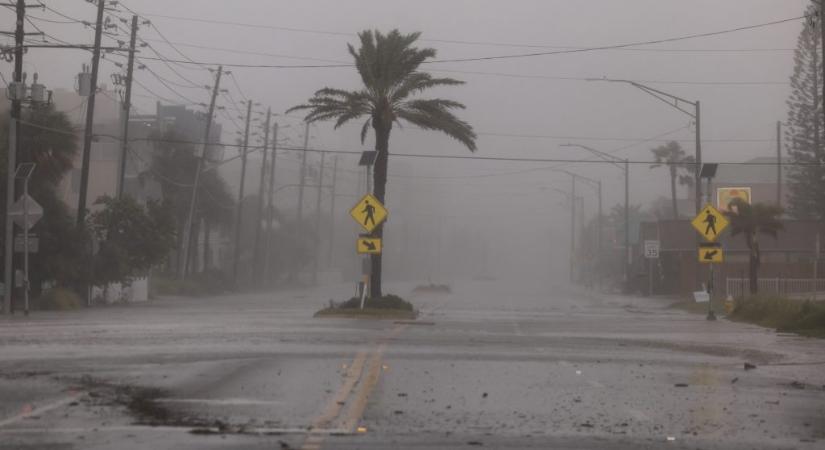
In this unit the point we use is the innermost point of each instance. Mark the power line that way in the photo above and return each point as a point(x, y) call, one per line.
point(521, 55)
point(465, 42)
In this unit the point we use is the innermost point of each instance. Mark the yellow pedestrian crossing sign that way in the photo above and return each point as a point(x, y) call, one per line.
point(369, 246)
point(369, 213)
point(711, 254)
point(710, 222)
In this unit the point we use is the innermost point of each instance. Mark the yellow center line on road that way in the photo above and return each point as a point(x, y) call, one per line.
point(317, 435)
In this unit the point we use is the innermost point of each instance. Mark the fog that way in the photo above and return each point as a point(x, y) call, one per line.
point(465, 218)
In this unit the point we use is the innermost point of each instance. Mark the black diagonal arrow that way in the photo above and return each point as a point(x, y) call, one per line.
point(370, 245)
point(709, 255)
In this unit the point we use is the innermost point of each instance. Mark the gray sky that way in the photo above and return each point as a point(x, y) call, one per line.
point(496, 104)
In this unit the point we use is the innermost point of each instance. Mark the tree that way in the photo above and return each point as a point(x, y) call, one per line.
point(750, 220)
point(48, 139)
point(803, 133)
point(173, 166)
point(388, 65)
point(132, 238)
point(681, 166)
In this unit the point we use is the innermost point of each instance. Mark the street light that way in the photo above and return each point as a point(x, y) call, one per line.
point(622, 164)
point(598, 185)
point(573, 199)
point(676, 103)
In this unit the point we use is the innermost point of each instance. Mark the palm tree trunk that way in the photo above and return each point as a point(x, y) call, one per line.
point(206, 255)
point(673, 192)
point(753, 264)
point(382, 144)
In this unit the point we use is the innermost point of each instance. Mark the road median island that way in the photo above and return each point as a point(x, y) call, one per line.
point(386, 307)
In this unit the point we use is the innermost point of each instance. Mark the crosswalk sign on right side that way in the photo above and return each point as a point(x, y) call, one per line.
point(710, 223)
point(711, 254)
point(369, 246)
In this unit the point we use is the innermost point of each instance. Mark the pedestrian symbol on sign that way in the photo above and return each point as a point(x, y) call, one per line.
point(369, 212)
point(710, 219)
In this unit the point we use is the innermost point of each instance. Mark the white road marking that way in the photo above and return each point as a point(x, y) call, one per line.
point(40, 410)
point(220, 401)
point(638, 415)
point(186, 429)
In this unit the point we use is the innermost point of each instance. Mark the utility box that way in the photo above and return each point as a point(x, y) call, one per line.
point(84, 84)
point(38, 93)
point(16, 91)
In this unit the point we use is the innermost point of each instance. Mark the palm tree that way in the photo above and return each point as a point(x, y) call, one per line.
point(682, 168)
point(388, 65)
point(750, 220)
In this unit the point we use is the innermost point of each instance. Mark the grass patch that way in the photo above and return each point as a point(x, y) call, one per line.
point(433, 288)
point(213, 282)
point(692, 306)
point(785, 315)
point(59, 299)
point(387, 307)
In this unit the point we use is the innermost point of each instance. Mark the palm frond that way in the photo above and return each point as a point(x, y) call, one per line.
point(365, 129)
point(435, 114)
point(417, 82)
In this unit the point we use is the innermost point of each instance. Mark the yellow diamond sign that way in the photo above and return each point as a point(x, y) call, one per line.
point(710, 222)
point(369, 246)
point(369, 213)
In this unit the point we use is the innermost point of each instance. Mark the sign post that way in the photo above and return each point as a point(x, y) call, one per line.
point(709, 223)
point(651, 253)
point(369, 213)
point(31, 213)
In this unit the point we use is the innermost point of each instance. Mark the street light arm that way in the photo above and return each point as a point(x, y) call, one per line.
point(615, 160)
point(659, 95)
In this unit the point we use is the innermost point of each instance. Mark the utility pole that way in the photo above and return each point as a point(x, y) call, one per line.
point(127, 107)
point(303, 174)
point(627, 223)
point(269, 200)
point(822, 47)
point(257, 263)
point(332, 211)
point(238, 218)
point(778, 164)
point(90, 117)
point(573, 231)
point(698, 157)
point(12, 155)
point(318, 221)
point(187, 231)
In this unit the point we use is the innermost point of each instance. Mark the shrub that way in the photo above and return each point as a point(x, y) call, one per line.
point(60, 299)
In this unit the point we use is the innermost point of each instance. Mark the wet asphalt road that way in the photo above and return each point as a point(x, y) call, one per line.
point(492, 365)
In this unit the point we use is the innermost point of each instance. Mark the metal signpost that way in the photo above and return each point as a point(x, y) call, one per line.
point(31, 212)
point(651, 253)
point(369, 213)
point(709, 223)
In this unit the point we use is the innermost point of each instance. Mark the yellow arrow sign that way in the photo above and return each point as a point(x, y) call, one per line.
point(710, 222)
point(711, 255)
point(369, 212)
point(369, 246)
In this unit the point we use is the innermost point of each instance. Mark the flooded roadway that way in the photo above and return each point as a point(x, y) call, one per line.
point(490, 365)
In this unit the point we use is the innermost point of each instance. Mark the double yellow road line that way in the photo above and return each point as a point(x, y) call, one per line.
point(343, 412)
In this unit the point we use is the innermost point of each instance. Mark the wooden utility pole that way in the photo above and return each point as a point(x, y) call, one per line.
point(127, 107)
point(239, 214)
point(318, 221)
point(778, 164)
point(183, 263)
point(269, 201)
point(90, 118)
point(257, 263)
point(303, 174)
point(332, 211)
